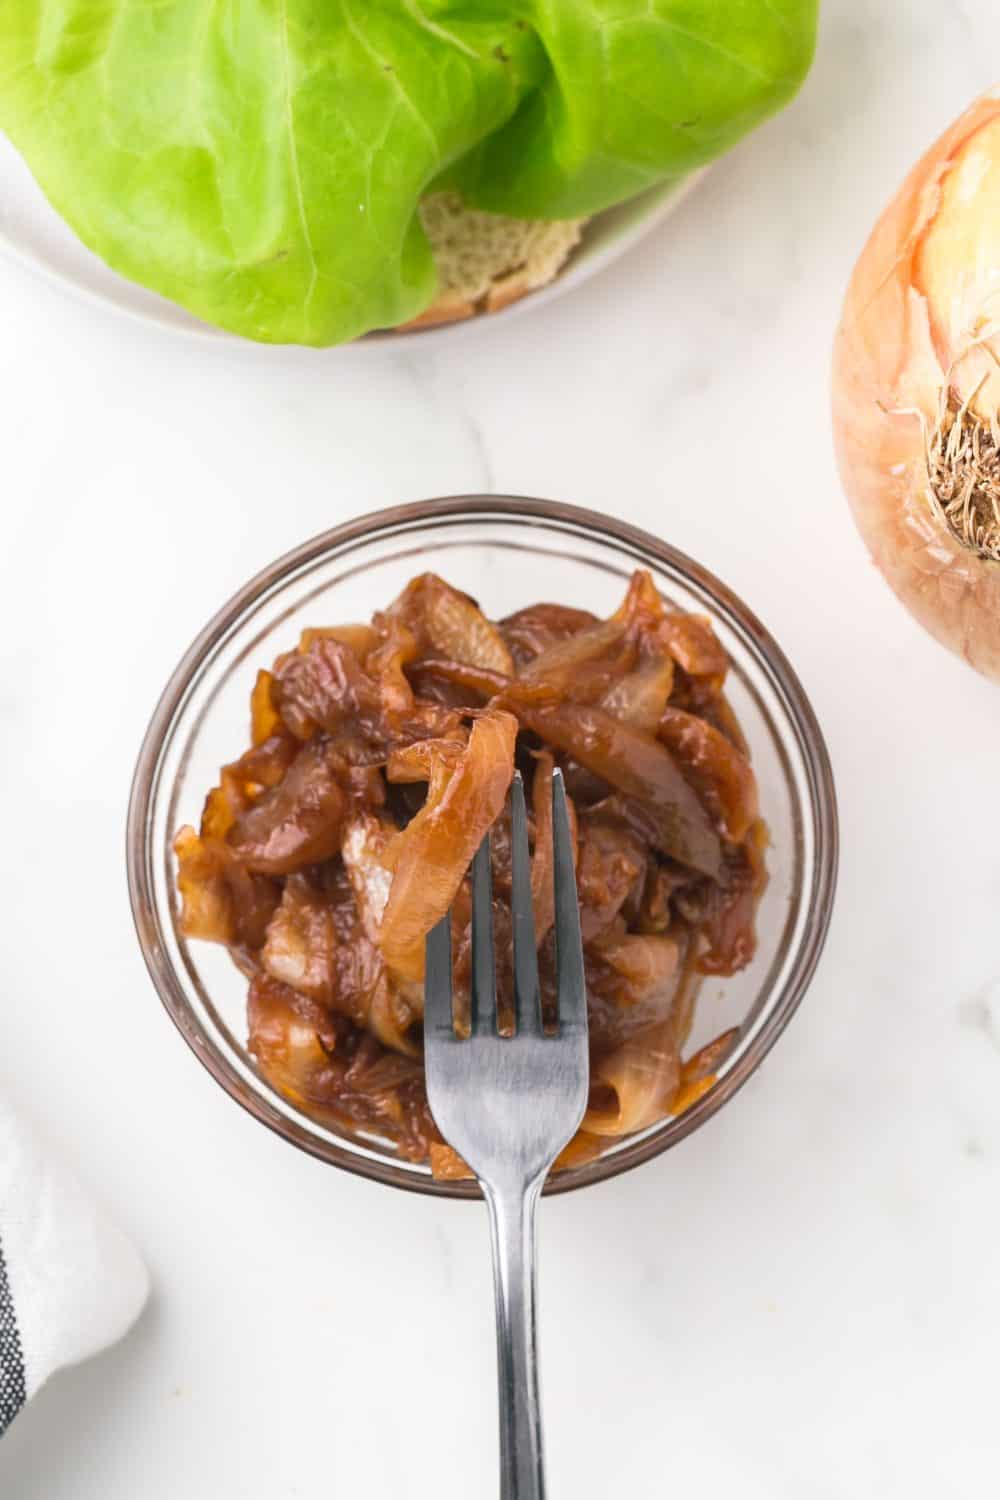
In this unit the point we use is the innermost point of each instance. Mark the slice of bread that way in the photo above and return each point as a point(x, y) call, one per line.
point(487, 261)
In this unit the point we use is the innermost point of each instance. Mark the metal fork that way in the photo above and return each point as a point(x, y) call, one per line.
point(509, 1105)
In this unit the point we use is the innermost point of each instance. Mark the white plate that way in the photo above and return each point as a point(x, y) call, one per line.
point(32, 233)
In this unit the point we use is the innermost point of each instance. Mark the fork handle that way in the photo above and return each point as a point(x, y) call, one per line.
point(512, 1224)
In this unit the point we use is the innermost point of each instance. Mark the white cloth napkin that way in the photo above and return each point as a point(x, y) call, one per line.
point(70, 1282)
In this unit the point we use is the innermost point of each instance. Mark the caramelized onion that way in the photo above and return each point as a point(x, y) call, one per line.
point(325, 687)
point(450, 624)
point(342, 1078)
point(381, 756)
point(611, 869)
point(465, 795)
point(264, 717)
point(731, 906)
point(293, 1038)
point(222, 901)
point(715, 768)
point(633, 1087)
point(301, 945)
point(531, 631)
point(360, 638)
point(296, 823)
point(633, 762)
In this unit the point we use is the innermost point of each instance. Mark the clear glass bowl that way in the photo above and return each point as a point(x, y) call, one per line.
point(507, 552)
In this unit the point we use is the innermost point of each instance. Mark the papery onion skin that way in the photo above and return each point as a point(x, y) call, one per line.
point(921, 328)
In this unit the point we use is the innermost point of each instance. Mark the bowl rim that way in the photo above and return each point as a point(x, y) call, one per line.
point(556, 516)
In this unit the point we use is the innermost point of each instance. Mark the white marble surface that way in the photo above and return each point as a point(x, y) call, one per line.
point(802, 1303)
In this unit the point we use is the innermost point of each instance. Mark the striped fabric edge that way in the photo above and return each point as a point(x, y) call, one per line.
point(13, 1390)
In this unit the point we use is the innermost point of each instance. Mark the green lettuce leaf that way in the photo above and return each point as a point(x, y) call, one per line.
point(261, 161)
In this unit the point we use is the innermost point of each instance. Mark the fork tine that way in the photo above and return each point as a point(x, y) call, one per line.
point(569, 944)
point(484, 971)
point(527, 1001)
point(438, 1017)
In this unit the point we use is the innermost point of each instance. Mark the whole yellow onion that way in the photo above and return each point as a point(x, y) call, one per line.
point(916, 389)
